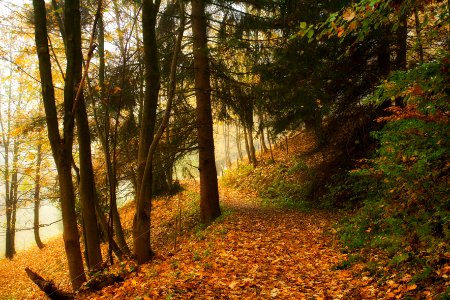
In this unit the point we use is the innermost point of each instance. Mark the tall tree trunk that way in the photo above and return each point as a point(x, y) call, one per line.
point(37, 197)
point(384, 54)
point(8, 200)
point(270, 146)
point(238, 142)
point(209, 194)
point(263, 141)
point(247, 145)
point(61, 147)
point(252, 147)
point(6, 140)
point(74, 72)
point(226, 135)
point(14, 195)
point(104, 226)
point(110, 162)
point(141, 222)
point(261, 134)
point(87, 188)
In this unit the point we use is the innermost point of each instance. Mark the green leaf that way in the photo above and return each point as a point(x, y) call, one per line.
point(310, 33)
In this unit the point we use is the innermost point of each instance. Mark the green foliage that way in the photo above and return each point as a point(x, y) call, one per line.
point(403, 188)
point(233, 178)
point(277, 184)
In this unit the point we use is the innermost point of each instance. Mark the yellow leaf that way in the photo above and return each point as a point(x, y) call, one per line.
point(412, 287)
point(348, 15)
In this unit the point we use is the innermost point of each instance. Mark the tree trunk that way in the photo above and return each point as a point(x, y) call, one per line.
point(384, 54)
point(247, 147)
point(209, 194)
point(48, 287)
point(72, 27)
point(37, 197)
point(141, 222)
point(261, 133)
point(270, 146)
point(402, 35)
point(8, 202)
point(6, 139)
point(61, 147)
point(87, 188)
point(14, 195)
point(110, 163)
point(238, 142)
point(104, 226)
point(251, 147)
point(70, 228)
point(226, 135)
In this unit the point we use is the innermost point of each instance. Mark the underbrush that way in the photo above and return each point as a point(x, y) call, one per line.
point(284, 183)
point(402, 190)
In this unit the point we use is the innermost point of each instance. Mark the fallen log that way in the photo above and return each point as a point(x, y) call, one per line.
point(48, 287)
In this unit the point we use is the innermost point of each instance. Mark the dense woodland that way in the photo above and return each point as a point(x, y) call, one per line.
point(330, 106)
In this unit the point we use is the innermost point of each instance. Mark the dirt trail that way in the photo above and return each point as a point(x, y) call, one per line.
point(255, 252)
point(252, 252)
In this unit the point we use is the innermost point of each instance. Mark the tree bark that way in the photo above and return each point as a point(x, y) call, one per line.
point(104, 226)
point(14, 195)
point(87, 188)
point(238, 142)
point(384, 54)
point(252, 147)
point(141, 222)
point(72, 28)
point(247, 147)
point(110, 162)
point(61, 147)
point(48, 287)
point(209, 194)
point(37, 197)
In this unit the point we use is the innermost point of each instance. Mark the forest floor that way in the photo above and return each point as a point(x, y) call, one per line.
point(251, 252)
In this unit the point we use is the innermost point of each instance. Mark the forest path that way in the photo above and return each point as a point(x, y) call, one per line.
point(253, 252)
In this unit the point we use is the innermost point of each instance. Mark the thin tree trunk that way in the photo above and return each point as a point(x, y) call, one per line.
point(238, 142)
point(14, 195)
point(6, 139)
point(116, 228)
point(226, 135)
point(261, 133)
point(61, 147)
point(104, 226)
point(270, 146)
point(37, 197)
point(141, 222)
point(247, 147)
point(251, 147)
point(263, 141)
point(87, 188)
point(209, 193)
point(72, 27)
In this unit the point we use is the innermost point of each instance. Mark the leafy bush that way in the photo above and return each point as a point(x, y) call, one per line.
point(403, 188)
point(277, 184)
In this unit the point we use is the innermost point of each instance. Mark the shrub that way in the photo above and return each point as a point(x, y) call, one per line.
point(403, 188)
